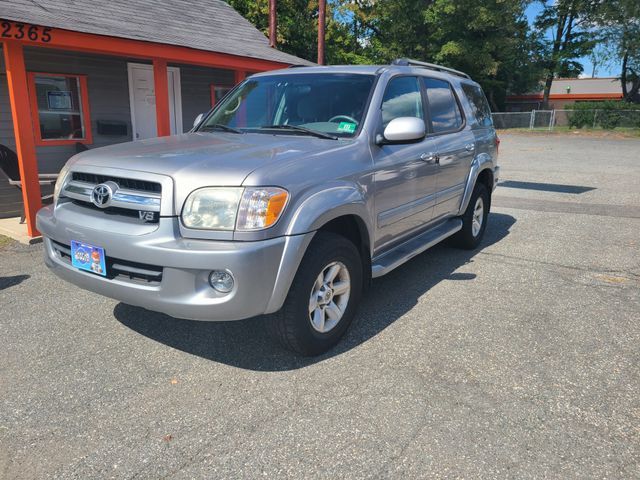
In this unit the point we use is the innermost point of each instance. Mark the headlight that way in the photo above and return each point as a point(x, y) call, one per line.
point(261, 207)
point(226, 208)
point(62, 176)
point(212, 208)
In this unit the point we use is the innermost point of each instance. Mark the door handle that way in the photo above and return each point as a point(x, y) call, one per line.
point(469, 147)
point(429, 157)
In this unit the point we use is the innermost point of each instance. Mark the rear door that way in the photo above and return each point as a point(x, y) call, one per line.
point(405, 178)
point(455, 145)
point(483, 131)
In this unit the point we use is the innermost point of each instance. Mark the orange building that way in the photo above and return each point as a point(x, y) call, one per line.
point(87, 74)
point(568, 90)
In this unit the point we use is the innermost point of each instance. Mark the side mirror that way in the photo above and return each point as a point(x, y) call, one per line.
point(198, 119)
point(403, 130)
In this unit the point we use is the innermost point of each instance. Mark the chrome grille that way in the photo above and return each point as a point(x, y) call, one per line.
point(128, 194)
point(126, 183)
point(153, 218)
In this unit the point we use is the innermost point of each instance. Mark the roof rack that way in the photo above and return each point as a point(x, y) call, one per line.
point(407, 62)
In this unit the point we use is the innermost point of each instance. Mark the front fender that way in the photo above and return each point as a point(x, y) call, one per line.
point(322, 206)
point(316, 210)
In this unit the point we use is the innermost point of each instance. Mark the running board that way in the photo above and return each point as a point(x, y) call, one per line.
point(406, 251)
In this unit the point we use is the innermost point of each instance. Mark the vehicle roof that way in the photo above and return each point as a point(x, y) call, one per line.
point(364, 70)
point(209, 25)
point(361, 69)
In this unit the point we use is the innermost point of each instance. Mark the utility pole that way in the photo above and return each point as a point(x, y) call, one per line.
point(322, 12)
point(273, 24)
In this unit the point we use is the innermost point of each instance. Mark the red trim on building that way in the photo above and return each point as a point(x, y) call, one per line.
point(161, 86)
point(23, 128)
point(239, 76)
point(568, 96)
point(47, 37)
point(89, 42)
point(84, 106)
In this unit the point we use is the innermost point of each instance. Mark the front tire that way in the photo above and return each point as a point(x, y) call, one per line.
point(323, 297)
point(474, 219)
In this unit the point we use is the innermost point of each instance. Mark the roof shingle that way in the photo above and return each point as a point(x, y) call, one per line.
point(210, 25)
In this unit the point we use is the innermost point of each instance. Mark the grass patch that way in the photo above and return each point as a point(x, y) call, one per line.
point(4, 241)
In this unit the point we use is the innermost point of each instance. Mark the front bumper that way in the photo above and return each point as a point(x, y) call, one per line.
point(262, 270)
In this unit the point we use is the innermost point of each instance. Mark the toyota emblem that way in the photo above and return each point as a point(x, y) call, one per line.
point(101, 195)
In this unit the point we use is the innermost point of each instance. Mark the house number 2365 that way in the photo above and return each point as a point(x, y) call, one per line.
point(25, 31)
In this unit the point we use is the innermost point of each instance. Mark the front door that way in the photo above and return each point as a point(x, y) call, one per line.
point(142, 98)
point(405, 174)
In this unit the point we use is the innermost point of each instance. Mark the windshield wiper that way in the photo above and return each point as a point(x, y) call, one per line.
point(297, 128)
point(220, 126)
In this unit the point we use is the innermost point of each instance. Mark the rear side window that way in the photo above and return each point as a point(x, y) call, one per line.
point(443, 108)
point(402, 98)
point(479, 104)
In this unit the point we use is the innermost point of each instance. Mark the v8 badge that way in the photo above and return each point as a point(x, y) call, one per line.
point(146, 216)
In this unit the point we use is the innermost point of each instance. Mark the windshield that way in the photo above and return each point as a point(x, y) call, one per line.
point(332, 104)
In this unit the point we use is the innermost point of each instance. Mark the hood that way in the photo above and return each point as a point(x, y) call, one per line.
point(200, 159)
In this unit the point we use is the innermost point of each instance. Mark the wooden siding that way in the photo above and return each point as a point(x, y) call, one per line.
point(108, 90)
point(196, 90)
point(10, 197)
point(6, 123)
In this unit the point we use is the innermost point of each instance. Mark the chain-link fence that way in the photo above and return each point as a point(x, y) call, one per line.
point(511, 120)
point(550, 119)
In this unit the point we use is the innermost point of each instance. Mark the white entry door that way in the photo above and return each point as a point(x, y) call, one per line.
point(142, 98)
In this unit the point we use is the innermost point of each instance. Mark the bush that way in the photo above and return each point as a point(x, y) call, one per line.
point(607, 115)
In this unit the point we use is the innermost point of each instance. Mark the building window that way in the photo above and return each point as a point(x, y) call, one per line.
point(60, 108)
point(218, 92)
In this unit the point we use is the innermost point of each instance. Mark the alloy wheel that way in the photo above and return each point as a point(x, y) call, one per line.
point(478, 217)
point(329, 297)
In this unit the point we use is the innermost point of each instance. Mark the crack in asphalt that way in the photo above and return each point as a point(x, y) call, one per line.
point(520, 261)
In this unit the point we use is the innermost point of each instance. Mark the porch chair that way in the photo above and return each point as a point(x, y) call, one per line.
point(10, 171)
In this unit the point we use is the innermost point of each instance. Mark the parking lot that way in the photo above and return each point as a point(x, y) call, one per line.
point(519, 360)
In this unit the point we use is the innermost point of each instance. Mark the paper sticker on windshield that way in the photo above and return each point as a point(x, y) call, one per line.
point(347, 127)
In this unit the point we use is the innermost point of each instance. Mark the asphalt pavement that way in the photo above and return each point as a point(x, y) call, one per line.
point(518, 360)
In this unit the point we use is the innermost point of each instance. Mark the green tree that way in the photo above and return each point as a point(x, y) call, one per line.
point(297, 23)
point(297, 31)
point(618, 22)
point(488, 39)
point(566, 25)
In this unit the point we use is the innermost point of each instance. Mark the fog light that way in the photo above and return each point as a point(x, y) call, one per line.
point(221, 280)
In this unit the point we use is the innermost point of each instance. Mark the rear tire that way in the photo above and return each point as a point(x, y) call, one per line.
point(474, 219)
point(323, 297)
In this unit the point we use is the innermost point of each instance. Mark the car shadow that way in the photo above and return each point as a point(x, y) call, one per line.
point(12, 281)
point(246, 344)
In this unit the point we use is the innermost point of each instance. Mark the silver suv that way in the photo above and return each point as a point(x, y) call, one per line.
point(286, 199)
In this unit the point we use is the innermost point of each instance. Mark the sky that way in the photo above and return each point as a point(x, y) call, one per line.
point(603, 71)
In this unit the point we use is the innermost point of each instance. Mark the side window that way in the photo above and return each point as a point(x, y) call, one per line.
point(402, 98)
point(443, 108)
point(478, 103)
